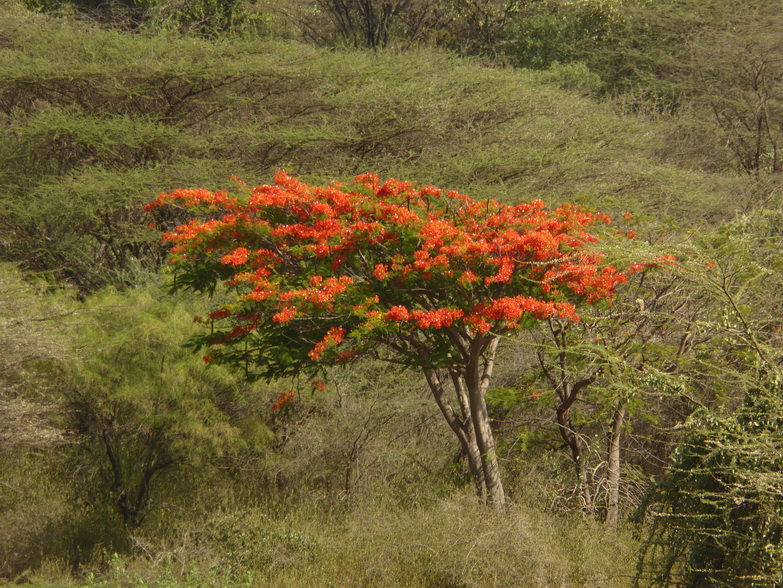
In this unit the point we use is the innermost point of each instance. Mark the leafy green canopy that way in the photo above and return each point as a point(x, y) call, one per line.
point(324, 275)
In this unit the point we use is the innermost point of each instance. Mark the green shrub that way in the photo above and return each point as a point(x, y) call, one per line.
point(145, 405)
point(716, 518)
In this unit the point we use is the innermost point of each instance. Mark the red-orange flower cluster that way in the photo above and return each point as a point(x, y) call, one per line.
point(333, 337)
point(237, 257)
point(284, 399)
point(383, 259)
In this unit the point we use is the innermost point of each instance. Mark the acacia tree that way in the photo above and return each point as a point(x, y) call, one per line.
point(737, 76)
point(427, 279)
point(601, 363)
point(717, 514)
point(370, 23)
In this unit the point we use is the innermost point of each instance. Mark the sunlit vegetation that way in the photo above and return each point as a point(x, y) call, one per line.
point(259, 399)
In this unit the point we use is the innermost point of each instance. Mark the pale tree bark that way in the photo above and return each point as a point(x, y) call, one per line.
point(472, 451)
point(472, 426)
point(462, 427)
point(613, 468)
point(478, 374)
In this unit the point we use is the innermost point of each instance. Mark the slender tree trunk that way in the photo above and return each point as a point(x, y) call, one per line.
point(472, 450)
point(613, 475)
point(566, 427)
point(478, 374)
point(584, 483)
point(463, 428)
point(476, 470)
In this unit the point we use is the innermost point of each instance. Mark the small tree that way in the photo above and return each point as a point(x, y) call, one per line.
point(598, 369)
point(420, 277)
point(716, 517)
point(369, 23)
point(142, 405)
point(737, 75)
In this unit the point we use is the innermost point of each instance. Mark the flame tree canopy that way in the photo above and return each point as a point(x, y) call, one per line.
point(429, 279)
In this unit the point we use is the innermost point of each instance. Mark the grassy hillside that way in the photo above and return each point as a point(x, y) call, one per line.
point(96, 122)
point(125, 459)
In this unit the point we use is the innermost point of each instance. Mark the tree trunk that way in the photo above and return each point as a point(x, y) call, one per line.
point(486, 445)
point(613, 474)
point(472, 449)
point(463, 428)
point(477, 377)
point(476, 469)
point(473, 430)
point(566, 427)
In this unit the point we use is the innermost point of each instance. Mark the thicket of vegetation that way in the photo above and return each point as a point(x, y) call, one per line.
point(639, 445)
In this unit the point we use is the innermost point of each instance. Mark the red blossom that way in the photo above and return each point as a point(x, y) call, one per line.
point(333, 337)
point(643, 265)
point(237, 257)
point(284, 399)
point(398, 313)
point(285, 315)
point(436, 319)
point(219, 314)
point(388, 257)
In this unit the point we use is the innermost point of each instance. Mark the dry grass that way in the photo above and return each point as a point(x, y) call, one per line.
point(452, 543)
point(27, 424)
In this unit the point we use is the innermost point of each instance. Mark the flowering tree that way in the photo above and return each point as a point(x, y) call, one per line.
point(420, 277)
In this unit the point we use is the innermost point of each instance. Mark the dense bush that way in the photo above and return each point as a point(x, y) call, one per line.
point(716, 519)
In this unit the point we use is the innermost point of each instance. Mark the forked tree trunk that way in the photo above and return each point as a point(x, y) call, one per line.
point(462, 427)
point(568, 390)
point(472, 425)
